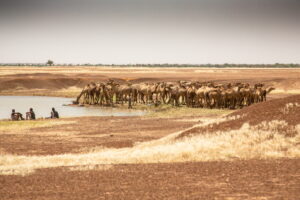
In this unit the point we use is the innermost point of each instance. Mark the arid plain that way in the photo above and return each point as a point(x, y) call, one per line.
point(170, 153)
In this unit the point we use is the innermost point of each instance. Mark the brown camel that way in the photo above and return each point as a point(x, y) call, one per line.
point(265, 92)
point(83, 92)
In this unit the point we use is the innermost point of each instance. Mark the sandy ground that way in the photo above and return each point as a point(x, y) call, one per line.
point(84, 134)
point(239, 179)
point(68, 81)
point(253, 179)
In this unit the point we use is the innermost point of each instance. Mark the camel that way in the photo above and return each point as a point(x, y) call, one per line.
point(201, 94)
point(97, 93)
point(182, 94)
point(142, 92)
point(101, 94)
point(246, 94)
point(91, 93)
point(174, 95)
point(152, 90)
point(135, 93)
point(83, 92)
point(161, 92)
point(111, 89)
point(191, 94)
point(124, 92)
point(265, 92)
point(258, 93)
point(232, 96)
point(214, 98)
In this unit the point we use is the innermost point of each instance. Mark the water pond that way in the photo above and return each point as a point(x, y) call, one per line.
point(42, 107)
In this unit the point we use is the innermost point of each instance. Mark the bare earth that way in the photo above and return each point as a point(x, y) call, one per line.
point(68, 81)
point(86, 133)
point(238, 179)
point(253, 179)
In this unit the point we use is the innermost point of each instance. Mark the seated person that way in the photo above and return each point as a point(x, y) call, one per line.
point(15, 116)
point(30, 115)
point(54, 114)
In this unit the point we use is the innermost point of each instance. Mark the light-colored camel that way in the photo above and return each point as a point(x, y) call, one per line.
point(111, 88)
point(151, 90)
point(124, 92)
point(142, 92)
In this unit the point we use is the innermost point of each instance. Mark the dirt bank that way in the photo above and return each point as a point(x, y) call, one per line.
point(68, 81)
point(82, 134)
point(283, 109)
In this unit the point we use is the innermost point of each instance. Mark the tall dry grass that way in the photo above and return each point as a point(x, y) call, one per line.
point(264, 141)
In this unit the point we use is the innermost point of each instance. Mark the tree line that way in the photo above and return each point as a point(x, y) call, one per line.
point(226, 65)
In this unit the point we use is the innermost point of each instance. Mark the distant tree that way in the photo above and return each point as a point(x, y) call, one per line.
point(50, 62)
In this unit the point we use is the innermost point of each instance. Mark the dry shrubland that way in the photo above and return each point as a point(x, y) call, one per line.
point(268, 130)
point(249, 142)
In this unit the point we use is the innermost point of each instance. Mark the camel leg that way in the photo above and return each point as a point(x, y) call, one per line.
point(143, 98)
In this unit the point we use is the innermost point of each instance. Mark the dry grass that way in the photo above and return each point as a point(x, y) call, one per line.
point(286, 91)
point(168, 111)
point(8, 126)
point(289, 107)
point(246, 143)
point(90, 167)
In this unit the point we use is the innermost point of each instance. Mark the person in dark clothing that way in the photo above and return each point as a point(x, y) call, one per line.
point(30, 115)
point(15, 116)
point(54, 114)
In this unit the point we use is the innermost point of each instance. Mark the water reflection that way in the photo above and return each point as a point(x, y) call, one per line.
point(42, 107)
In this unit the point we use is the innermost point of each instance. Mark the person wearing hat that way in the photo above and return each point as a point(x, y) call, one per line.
point(54, 114)
point(30, 115)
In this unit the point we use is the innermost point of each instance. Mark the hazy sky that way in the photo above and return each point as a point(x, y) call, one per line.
point(150, 31)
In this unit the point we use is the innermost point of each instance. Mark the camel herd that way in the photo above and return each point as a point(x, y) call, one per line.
point(191, 94)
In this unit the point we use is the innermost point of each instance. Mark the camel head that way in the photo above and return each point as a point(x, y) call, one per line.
point(270, 89)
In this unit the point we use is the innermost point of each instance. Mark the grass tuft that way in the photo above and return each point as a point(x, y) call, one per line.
point(168, 111)
point(24, 125)
point(246, 143)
